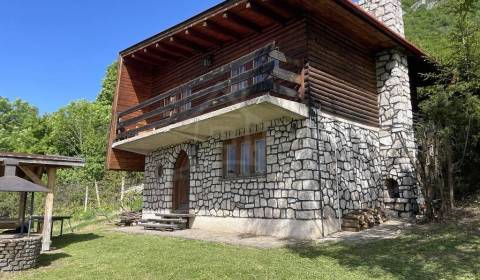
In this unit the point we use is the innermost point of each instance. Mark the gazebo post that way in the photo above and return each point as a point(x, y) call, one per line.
point(47, 221)
point(22, 205)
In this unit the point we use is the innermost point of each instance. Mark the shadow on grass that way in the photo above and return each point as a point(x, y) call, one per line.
point(60, 242)
point(417, 255)
point(49, 258)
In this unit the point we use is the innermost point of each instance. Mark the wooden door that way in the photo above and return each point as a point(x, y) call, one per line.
point(181, 183)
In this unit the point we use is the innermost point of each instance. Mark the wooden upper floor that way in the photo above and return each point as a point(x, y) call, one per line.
point(315, 52)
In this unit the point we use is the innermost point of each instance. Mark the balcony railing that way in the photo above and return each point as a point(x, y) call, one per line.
point(250, 76)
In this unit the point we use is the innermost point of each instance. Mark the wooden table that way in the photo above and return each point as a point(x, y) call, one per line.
point(39, 220)
point(6, 223)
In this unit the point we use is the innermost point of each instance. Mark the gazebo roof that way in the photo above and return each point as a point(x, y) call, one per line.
point(17, 184)
point(43, 160)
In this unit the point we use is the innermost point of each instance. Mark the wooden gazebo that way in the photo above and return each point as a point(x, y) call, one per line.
point(32, 167)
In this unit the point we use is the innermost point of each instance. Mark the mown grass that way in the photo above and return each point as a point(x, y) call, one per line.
point(434, 252)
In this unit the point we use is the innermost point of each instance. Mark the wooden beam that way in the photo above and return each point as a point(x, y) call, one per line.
point(215, 27)
point(172, 52)
point(187, 44)
point(203, 37)
point(240, 21)
point(32, 175)
point(264, 11)
point(47, 220)
point(289, 9)
point(155, 55)
point(152, 62)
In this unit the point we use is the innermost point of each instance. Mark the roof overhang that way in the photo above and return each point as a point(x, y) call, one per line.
point(17, 184)
point(42, 160)
point(242, 115)
point(242, 17)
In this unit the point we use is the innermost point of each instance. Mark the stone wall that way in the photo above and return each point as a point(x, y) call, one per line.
point(293, 188)
point(350, 166)
point(19, 253)
point(388, 11)
point(290, 189)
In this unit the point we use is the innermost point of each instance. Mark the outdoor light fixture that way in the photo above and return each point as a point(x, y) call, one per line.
point(207, 60)
point(193, 149)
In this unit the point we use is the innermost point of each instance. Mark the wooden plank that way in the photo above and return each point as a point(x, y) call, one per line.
point(225, 31)
point(196, 34)
point(240, 21)
point(264, 11)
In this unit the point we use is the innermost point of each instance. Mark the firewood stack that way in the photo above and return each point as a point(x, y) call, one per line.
point(129, 218)
point(358, 220)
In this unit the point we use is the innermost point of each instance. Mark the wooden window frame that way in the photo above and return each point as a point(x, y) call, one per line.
point(237, 143)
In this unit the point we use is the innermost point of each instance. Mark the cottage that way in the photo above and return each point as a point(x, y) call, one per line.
point(272, 117)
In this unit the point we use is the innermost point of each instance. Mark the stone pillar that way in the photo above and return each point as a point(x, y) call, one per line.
point(388, 11)
point(396, 134)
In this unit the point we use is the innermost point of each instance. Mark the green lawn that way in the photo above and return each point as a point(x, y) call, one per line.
point(448, 253)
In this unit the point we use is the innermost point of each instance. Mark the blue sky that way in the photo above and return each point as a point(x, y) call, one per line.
point(56, 51)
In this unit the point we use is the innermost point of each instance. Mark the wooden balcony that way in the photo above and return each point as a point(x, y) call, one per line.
point(264, 72)
point(174, 105)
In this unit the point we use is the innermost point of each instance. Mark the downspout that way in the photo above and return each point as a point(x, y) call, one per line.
point(313, 115)
point(337, 188)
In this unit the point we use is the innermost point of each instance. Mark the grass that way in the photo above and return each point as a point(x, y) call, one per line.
point(430, 252)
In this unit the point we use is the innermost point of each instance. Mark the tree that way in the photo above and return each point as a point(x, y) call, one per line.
point(21, 127)
point(80, 129)
point(450, 132)
point(109, 85)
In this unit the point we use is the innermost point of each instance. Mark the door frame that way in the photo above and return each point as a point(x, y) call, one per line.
point(182, 163)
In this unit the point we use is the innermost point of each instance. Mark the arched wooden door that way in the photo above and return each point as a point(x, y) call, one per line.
point(181, 183)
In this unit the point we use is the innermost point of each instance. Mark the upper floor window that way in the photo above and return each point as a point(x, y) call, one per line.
point(245, 156)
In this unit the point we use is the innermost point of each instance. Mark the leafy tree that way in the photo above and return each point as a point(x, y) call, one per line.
point(109, 85)
point(80, 129)
point(21, 127)
point(450, 131)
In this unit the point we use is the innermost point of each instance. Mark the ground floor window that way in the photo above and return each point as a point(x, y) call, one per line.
point(245, 156)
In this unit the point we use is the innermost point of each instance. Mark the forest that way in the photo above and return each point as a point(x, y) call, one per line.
point(448, 132)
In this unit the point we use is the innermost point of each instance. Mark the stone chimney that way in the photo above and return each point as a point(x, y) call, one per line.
point(388, 11)
point(396, 134)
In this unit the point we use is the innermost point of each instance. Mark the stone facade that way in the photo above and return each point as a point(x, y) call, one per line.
point(294, 187)
point(350, 166)
point(388, 11)
point(19, 253)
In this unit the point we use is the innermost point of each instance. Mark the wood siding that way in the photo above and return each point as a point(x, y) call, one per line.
point(290, 39)
point(341, 75)
point(133, 87)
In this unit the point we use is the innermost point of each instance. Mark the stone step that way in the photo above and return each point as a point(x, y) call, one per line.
point(161, 226)
point(174, 215)
point(168, 220)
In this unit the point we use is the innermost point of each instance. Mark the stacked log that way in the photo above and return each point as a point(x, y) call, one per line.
point(358, 220)
point(129, 218)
